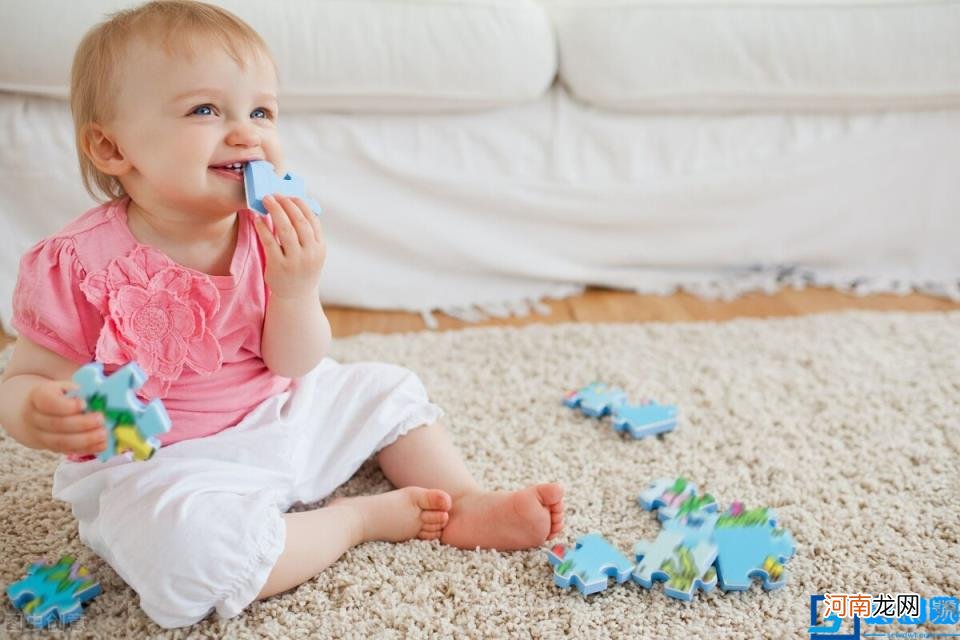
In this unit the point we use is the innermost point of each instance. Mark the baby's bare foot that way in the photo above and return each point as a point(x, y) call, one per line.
point(506, 520)
point(404, 514)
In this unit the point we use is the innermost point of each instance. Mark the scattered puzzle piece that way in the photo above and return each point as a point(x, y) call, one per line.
point(595, 400)
point(641, 420)
point(589, 564)
point(130, 425)
point(52, 592)
point(749, 545)
point(697, 548)
point(674, 497)
point(260, 180)
point(665, 492)
point(685, 567)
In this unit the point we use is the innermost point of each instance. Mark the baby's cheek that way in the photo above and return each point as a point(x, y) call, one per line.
point(275, 157)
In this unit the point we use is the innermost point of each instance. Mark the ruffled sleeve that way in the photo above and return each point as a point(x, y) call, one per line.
point(48, 305)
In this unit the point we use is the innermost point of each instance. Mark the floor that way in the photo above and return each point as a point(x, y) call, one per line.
point(600, 305)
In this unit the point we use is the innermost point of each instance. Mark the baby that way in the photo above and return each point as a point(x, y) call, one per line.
point(219, 306)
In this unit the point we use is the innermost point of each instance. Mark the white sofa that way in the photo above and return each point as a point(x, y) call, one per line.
point(477, 156)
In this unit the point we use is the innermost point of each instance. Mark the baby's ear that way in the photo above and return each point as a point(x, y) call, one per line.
point(101, 147)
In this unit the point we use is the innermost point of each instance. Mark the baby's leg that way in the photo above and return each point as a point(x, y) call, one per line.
point(479, 518)
point(316, 539)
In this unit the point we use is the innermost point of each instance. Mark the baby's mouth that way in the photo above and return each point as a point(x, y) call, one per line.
point(236, 167)
point(232, 171)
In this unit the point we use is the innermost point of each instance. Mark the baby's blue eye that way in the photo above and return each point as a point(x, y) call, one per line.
point(262, 112)
point(203, 110)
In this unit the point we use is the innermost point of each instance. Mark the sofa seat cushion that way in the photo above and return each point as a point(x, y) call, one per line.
point(356, 55)
point(677, 55)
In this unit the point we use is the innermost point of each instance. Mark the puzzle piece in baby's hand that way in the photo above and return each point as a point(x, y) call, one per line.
point(749, 545)
point(686, 565)
point(130, 425)
point(640, 420)
point(589, 564)
point(674, 497)
point(260, 180)
point(595, 400)
point(51, 592)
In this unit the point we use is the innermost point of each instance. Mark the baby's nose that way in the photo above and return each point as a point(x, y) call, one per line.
point(243, 134)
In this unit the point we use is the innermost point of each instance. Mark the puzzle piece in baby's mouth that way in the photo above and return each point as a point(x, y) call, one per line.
point(260, 180)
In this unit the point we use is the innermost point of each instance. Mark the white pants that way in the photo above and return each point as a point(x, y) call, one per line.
point(199, 526)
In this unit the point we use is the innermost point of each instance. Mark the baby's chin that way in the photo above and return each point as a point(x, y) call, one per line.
point(219, 206)
point(212, 208)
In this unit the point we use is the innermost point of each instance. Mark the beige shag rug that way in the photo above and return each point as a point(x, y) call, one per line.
point(847, 424)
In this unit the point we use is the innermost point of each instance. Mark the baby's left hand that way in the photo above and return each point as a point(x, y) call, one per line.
point(295, 251)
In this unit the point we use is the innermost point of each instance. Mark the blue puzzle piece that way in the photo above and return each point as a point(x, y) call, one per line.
point(51, 592)
point(685, 565)
point(748, 542)
point(260, 180)
point(130, 425)
point(645, 419)
point(675, 497)
point(589, 565)
point(750, 546)
point(595, 400)
point(694, 527)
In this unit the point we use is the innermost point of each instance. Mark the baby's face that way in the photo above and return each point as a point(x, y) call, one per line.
point(177, 119)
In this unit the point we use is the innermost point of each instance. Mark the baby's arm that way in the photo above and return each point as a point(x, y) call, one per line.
point(34, 409)
point(296, 332)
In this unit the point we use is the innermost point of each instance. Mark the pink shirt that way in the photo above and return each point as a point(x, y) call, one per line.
point(92, 292)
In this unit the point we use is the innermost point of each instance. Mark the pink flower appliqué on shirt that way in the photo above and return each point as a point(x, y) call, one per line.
point(157, 314)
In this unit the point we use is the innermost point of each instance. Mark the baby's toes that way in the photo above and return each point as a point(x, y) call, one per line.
point(556, 526)
point(432, 524)
point(430, 532)
point(550, 494)
point(435, 500)
point(434, 518)
point(556, 519)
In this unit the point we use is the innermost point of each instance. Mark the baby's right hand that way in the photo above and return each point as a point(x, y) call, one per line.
point(56, 422)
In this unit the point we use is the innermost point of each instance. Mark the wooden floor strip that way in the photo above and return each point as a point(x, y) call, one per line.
point(601, 305)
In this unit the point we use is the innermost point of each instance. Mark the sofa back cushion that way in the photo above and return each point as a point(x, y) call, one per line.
point(682, 55)
point(356, 55)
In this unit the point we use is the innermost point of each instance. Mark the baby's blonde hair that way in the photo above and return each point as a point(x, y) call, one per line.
point(96, 63)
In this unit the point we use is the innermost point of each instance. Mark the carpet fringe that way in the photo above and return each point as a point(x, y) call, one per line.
point(767, 279)
point(490, 310)
point(770, 279)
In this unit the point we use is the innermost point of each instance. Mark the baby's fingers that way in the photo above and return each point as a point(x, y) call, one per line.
point(312, 220)
point(270, 245)
point(285, 231)
point(51, 399)
point(305, 234)
point(70, 425)
point(85, 443)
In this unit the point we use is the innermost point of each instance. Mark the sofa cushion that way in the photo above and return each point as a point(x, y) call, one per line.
point(671, 55)
point(356, 55)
